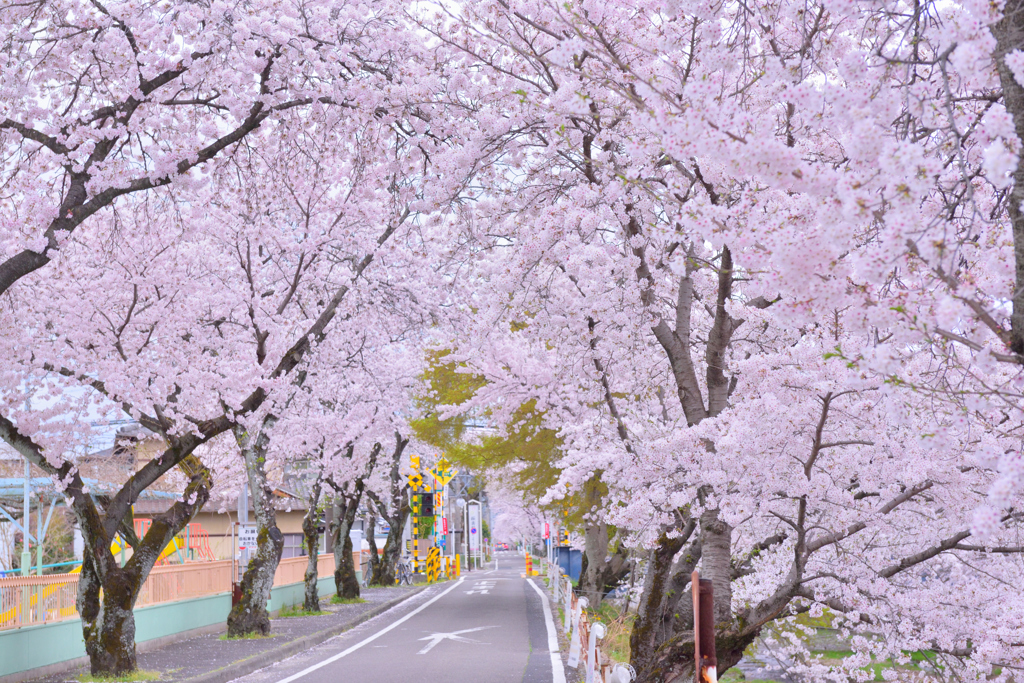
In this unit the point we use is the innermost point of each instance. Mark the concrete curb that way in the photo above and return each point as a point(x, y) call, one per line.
point(246, 666)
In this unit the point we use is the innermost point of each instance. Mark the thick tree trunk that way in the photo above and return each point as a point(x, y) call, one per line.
point(346, 506)
point(346, 585)
point(601, 571)
point(108, 622)
point(249, 616)
point(311, 600)
point(716, 563)
point(396, 514)
point(728, 649)
point(392, 550)
point(107, 591)
point(662, 636)
point(371, 539)
point(651, 626)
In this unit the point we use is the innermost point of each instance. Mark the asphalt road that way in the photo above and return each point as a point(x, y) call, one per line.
point(491, 626)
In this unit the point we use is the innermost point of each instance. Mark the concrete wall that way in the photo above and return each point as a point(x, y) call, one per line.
point(50, 648)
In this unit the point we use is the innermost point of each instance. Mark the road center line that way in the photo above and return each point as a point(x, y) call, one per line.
point(557, 671)
point(378, 634)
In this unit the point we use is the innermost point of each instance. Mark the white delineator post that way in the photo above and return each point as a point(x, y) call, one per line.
point(596, 633)
point(568, 603)
point(574, 638)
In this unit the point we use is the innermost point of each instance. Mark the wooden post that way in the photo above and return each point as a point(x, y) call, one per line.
point(705, 661)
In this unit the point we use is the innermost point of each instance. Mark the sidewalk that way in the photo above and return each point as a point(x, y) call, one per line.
point(208, 659)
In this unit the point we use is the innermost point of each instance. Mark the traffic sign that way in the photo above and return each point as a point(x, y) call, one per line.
point(415, 481)
point(443, 471)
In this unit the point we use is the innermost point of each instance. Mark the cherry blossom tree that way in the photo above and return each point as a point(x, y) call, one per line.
point(697, 201)
point(191, 305)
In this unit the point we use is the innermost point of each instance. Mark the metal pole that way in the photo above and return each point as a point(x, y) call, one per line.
point(26, 553)
point(39, 536)
point(243, 518)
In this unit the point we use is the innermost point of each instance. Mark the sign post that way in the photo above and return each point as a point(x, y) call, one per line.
point(475, 530)
point(705, 661)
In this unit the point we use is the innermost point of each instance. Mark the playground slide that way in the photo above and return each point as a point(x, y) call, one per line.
point(45, 592)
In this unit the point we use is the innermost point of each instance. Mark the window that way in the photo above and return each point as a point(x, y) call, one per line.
point(292, 546)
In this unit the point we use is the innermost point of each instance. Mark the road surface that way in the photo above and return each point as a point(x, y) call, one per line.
point(491, 626)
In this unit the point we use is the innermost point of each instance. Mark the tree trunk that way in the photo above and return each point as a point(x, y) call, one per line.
point(249, 616)
point(108, 622)
point(346, 586)
point(662, 637)
point(716, 564)
point(648, 636)
point(311, 600)
point(1009, 35)
point(392, 550)
point(107, 591)
point(346, 506)
point(371, 539)
point(601, 571)
point(396, 514)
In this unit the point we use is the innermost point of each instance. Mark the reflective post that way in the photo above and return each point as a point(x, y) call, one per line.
point(705, 661)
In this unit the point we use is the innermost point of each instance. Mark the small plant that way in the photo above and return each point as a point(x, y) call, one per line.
point(335, 600)
point(297, 611)
point(137, 675)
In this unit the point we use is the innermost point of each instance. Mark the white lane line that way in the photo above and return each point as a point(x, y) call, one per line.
point(372, 638)
point(557, 671)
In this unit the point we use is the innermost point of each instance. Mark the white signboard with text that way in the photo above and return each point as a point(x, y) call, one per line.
point(247, 536)
point(476, 532)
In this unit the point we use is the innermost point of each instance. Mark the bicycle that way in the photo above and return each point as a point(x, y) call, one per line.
point(403, 573)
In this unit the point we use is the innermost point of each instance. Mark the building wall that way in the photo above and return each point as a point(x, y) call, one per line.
point(219, 527)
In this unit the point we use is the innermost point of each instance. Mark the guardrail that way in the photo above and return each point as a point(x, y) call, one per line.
point(31, 600)
point(584, 637)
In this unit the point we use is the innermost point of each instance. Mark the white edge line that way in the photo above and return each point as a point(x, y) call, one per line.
point(557, 670)
point(372, 638)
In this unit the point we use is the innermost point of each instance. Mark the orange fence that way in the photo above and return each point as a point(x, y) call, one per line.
point(293, 570)
point(183, 581)
point(29, 600)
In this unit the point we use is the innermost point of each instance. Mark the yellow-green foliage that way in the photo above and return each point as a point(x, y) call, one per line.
point(527, 441)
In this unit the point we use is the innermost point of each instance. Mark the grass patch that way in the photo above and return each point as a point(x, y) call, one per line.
point(335, 600)
point(247, 636)
point(736, 676)
point(137, 675)
point(297, 611)
point(618, 626)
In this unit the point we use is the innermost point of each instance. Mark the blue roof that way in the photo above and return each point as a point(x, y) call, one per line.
point(14, 487)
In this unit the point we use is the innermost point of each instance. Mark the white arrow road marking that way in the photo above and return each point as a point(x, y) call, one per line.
point(375, 636)
point(436, 638)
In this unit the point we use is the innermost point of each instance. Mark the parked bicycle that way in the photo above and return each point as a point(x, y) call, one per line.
point(403, 573)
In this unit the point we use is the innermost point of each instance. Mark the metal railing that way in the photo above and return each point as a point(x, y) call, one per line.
point(584, 649)
point(31, 600)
